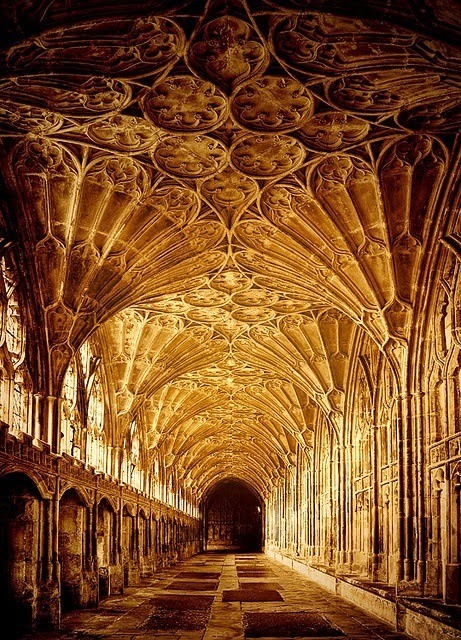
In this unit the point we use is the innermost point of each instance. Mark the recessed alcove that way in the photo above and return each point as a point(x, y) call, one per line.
point(233, 517)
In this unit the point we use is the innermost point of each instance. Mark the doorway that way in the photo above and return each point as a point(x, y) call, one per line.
point(21, 529)
point(233, 517)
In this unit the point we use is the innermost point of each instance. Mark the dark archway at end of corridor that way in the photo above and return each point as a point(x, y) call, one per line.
point(233, 517)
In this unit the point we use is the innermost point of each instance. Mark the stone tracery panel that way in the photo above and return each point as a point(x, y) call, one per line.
point(76, 96)
point(185, 104)
point(190, 156)
point(326, 43)
point(123, 133)
point(228, 51)
point(124, 47)
point(272, 104)
point(333, 130)
point(414, 164)
point(266, 157)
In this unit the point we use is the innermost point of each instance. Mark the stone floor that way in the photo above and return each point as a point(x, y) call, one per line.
point(223, 597)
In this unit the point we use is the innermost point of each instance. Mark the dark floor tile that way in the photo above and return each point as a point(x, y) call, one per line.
point(109, 611)
point(175, 619)
point(256, 574)
point(260, 585)
point(251, 595)
point(192, 586)
point(260, 569)
point(288, 625)
point(199, 575)
point(170, 601)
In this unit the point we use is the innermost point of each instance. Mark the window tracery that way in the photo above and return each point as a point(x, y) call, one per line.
point(21, 401)
point(86, 356)
point(83, 422)
point(4, 389)
point(361, 432)
point(135, 444)
point(131, 473)
point(14, 327)
point(95, 428)
point(15, 379)
point(444, 381)
point(70, 423)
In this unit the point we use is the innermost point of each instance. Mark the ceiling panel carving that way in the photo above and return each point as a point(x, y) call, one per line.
point(224, 197)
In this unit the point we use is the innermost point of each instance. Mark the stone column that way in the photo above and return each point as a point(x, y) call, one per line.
point(453, 567)
point(55, 537)
point(36, 415)
point(349, 451)
point(332, 536)
point(342, 506)
point(116, 463)
point(90, 560)
point(52, 422)
point(94, 531)
point(418, 411)
point(406, 511)
point(49, 606)
point(119, 531)
point(137, 554)
point(401, 494)
point(48, 572)
point(116, 568)
point(297, 503)
point(375, 504)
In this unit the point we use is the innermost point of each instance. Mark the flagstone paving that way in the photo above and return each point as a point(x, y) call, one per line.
point(217, 597)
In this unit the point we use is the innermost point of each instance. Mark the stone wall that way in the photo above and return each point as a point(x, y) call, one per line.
point(70, 536)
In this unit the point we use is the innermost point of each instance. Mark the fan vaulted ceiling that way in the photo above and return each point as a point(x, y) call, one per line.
point(226, 197)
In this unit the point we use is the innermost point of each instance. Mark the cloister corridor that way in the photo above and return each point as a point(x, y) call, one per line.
point(231, 596)
point(230, 319)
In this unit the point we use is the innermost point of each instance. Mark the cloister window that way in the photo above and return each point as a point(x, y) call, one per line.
point(156, 479)
point(70, 427)
point(21, 395)
point(95, 442)
point(361, 434)
point(15, 334)
point(4, 391)
point(86, 356)
point(15, 380)
point(135, 445)
point(130, 472)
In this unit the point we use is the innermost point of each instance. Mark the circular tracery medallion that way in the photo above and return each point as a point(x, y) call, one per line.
point(266, 156)
point(272, 104)
point(190, 156)
point(185, 104)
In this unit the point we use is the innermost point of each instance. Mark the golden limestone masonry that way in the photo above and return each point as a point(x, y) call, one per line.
point(230, 315)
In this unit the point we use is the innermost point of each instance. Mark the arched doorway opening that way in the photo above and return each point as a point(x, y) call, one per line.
point(233, 517)
point(106, 546)
point(21, 529)
point(74, 546)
